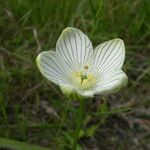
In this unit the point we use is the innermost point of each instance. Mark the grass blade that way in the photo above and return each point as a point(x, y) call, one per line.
point(15, 145)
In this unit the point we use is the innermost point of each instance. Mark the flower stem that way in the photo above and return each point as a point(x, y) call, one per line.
point(79, 123)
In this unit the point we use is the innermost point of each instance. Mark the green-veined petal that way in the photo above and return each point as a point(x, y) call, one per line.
point(75, 47)
point(109, 56)
point(111, 82)
point(52, 67)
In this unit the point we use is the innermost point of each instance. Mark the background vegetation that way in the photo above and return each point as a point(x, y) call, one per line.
point(33, 111)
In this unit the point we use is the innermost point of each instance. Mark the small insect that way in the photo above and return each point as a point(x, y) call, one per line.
point(86, 67)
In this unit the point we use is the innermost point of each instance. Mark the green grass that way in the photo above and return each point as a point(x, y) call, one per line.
point(28, 27)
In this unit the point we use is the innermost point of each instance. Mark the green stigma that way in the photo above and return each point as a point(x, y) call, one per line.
point(83, 77)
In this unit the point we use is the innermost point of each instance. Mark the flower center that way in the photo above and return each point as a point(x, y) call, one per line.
point(83, 79)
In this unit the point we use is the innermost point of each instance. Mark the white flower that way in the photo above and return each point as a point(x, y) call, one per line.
point(80, 70)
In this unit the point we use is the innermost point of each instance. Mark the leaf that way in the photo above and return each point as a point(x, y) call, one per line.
point(69, 138)
point(91, 131)
point(81, 134)
point(15, 145)
point(87, 120)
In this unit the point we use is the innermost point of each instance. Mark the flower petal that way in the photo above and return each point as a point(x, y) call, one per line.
point(75, 47)
point(87, 94)
point(109, 56)
point(75, 93)
point(51, 66)
point(111, 82)
point(69, 91)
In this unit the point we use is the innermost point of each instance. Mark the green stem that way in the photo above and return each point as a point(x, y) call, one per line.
point(79, 123)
